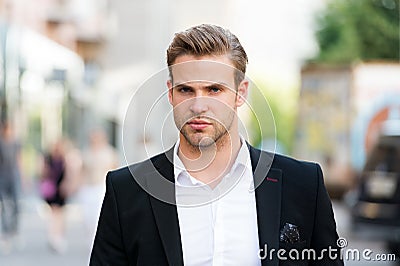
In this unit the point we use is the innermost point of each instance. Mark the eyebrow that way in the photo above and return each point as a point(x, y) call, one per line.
point(214, 84)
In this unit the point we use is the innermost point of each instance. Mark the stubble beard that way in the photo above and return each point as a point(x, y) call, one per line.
point(199, 140)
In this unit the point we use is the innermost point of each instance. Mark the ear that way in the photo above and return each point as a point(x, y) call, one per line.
point(242, 92)
point(169, 85)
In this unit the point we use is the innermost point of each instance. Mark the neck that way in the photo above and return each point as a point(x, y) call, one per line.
point(210, 164)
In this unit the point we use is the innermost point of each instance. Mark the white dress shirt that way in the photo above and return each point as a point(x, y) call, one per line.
point(218, 226)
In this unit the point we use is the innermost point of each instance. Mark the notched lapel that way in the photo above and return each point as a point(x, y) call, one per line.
point(165, 213)
point(268, 183)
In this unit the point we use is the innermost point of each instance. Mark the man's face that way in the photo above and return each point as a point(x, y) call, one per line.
point(205, 99)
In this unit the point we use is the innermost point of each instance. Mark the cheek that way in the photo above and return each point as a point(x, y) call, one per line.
point(224, 112)
point(228, 104)
point(181, 111)
point(181, 106)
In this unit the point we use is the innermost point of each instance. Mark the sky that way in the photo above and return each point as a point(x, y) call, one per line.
point(278, 35)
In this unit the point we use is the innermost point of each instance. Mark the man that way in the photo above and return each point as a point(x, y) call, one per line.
point(213, 199)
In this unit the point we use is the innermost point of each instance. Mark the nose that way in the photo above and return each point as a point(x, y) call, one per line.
point(199, 104)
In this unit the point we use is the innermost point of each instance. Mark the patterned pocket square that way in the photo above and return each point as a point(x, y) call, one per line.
point(290, 234)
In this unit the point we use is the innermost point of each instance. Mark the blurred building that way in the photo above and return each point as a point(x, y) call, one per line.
point(70, 66)
point(341, 111)
point(39, 68)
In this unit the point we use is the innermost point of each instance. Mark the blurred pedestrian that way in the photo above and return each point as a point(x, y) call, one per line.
point(9, 186)
point(73, 169)
point(53, 175)
point(98, 159)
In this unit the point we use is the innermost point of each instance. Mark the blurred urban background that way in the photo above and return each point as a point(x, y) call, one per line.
point(69, 69)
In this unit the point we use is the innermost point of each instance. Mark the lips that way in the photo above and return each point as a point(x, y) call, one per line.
point(198, 124)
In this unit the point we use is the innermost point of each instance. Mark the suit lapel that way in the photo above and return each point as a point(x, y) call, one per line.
point(165, 213)
point(268, 182)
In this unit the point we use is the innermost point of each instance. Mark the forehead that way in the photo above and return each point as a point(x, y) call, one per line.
point(213, 69)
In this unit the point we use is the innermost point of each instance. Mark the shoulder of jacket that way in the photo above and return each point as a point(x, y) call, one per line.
point(298, 173)
point(132, 173)
point(283, 160)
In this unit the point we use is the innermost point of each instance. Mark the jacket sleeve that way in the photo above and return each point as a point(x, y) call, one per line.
point(108, 248)
point(324, 238)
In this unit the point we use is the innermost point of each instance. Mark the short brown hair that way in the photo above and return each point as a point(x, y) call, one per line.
point(208, 39)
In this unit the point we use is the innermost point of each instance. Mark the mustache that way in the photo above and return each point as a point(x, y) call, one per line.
point(207, 119)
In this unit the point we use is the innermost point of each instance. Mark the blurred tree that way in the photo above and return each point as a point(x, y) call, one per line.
point(349, 30)
point(275, 121)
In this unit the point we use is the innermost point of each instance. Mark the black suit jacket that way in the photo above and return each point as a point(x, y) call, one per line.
point(136, 228)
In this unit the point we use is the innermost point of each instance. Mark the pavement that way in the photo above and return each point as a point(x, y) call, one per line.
point(31, 247)
point(358, 244)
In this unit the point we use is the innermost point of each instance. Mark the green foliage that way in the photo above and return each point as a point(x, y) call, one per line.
point(276, 120)
point(359, 30)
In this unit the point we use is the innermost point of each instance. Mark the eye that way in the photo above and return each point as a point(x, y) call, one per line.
point(184, 89)
point(214, 89)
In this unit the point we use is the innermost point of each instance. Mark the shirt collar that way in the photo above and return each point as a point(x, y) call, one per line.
point(183, 178)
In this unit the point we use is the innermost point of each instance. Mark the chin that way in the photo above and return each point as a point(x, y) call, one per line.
point(203, 142)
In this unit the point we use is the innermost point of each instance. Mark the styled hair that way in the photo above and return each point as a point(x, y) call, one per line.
point(205, 40)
